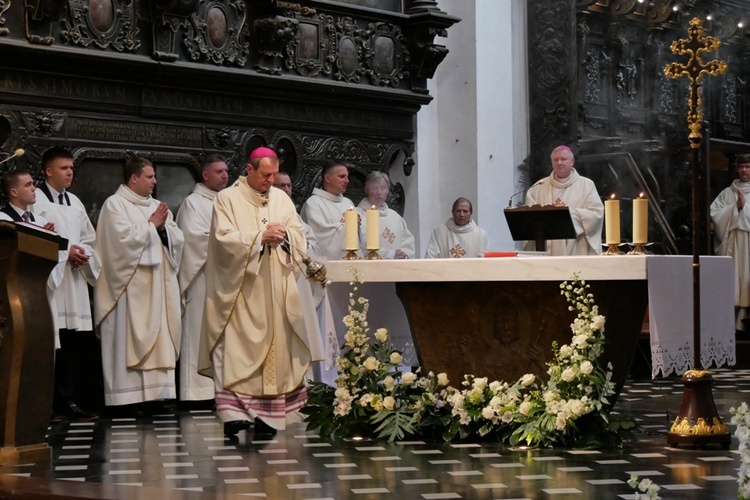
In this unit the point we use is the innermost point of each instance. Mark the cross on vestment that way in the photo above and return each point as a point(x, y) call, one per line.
point(694, 69)
point(264, 220)
point(457, 252)
point(388, 235)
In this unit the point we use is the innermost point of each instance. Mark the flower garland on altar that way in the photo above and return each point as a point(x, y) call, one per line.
point(373, 397)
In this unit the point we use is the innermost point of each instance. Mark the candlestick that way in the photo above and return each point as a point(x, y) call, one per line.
point(351, 230)
point(373, 229)
point(612, 220)
point(640, 220)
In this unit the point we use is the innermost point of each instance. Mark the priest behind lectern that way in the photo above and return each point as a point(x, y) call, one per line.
point(580, 195)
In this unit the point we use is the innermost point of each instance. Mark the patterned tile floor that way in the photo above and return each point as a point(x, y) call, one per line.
point(185, 452)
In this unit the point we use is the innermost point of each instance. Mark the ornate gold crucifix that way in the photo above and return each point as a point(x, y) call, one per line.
point(694, 69)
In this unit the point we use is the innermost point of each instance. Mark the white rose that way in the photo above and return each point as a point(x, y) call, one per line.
point(396, 358)
point(488, 413)
point(480, 383)
point(495, 386)
point(442, 379)
point(408, 378)
point(388, 383)
point(597, 322)
point(587, 368)
point(342, 393)
point(527, 379)
point(371, 363)
point(525, 408)
point(389, 403)
point(567, 375)
point(381, 334)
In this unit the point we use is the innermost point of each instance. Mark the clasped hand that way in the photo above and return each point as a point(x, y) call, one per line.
point(159, 217)
point(77, 256)
point(274, 234)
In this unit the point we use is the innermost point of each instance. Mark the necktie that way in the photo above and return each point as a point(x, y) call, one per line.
point(63, 199)
point(27, 217)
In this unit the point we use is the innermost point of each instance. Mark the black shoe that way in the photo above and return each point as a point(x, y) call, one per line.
point(263, 429)
point(55, 419)
point(232, 428)
point(74, 412)
point(134, 410)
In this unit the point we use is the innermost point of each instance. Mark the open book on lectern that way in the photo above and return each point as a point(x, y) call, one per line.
point(540, 223)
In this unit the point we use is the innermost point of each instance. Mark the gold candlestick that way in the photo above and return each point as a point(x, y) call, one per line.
point(351, 255)
point(612, 250)
point(373, 255)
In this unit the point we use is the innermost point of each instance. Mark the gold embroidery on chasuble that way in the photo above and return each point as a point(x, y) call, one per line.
point(388, 235)
point(457, 252)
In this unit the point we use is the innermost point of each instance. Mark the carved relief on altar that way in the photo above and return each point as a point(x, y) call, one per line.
point(218, 33)
point(102, 23)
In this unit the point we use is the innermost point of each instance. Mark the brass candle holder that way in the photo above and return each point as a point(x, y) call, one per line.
point(351, 255)
point(373, 255)
point(639, 249)
point(613, 249)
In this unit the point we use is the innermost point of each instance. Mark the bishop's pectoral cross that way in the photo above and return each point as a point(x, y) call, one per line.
point(694, 69)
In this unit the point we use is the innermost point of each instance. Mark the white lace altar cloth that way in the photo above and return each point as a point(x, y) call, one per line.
point(670, 299)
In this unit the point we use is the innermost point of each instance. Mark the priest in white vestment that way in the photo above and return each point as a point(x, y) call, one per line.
point(67, 287)
point(578, 193)
point(194, 219)
point(137, 297)
point(396, 241)
point(730, 214)
point(459, 237)
point(255, 342)
point(324, 210)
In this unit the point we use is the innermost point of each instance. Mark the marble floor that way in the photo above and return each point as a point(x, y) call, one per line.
point(183, 455)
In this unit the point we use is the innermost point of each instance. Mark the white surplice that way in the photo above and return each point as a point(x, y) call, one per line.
point(586, 210)
point(67, 288)
point(137, 300)
point(449, 241)
point(394, 235)
point(194, 219)
point(324, 212)
point(732, 238)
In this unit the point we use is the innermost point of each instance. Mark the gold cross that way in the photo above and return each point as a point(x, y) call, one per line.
point(694, 69)
point(457, 252)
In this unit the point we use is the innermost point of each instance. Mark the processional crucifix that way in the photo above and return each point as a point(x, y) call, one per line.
point(698, 422)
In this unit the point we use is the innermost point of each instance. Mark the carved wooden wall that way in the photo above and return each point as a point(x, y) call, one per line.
point(616, 98)
point(176, 80)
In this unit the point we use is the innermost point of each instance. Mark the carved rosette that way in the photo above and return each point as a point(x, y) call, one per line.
point(103, 23)
point(217, 32)
point(348, 51)
point(387, 54)
point(310, 53)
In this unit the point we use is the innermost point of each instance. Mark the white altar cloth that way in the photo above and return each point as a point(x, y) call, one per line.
point(670, 297)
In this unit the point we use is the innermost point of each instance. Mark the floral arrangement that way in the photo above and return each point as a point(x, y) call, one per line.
point(741, 418)
point(646, 489)
point(373, 397)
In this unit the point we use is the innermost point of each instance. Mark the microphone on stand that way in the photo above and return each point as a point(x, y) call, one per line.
point(510, 200)
point(16, 153)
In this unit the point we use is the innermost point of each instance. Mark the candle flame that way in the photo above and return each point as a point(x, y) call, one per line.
point(373, 207)
point(612, 197)
point(640, 195)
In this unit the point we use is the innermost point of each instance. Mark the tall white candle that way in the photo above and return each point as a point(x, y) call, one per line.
point(373, 229)
point(351, 230)
point(640, 220)
point(612, 220)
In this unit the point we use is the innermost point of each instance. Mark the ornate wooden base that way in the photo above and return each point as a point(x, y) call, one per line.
point(698, 423)
point(32, 453)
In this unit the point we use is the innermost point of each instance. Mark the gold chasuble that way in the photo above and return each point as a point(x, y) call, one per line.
point(254, 341)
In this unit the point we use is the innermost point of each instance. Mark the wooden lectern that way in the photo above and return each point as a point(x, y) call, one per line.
point(27, 350)
point(539, 224)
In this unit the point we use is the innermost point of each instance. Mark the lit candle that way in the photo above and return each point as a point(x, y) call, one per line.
point(612, 220)
point(640, 220)
point(373, 229)
point(351, 230)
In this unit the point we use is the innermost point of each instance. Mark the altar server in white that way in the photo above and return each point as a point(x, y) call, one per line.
point(459, 237)
point(194, 219)
point(396, 241)
point(137, 297)
point(67, 286)
point(565, 186)
point(730, 214)
point(324, 210)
